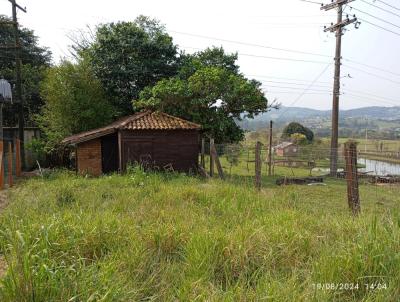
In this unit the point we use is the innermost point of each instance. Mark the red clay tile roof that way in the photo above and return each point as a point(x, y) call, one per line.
point(146, 120)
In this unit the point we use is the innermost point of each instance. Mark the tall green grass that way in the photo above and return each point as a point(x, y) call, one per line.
point(154, 237)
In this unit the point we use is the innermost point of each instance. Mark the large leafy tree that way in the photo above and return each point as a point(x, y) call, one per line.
point(209, 90)
point(35, 60)
point(297, 128)
point(74, 101)
point(129, 56)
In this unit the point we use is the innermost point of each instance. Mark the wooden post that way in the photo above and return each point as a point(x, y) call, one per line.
point(1, 166)
point(258, 166)
point(18, 158)
point(10, 166)
point(353, 197)
point(202, 158)
point(211, 158)
point(270, 150)
point(214, 155)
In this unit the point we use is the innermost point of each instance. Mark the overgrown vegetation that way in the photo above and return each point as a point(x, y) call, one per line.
point(141, 237)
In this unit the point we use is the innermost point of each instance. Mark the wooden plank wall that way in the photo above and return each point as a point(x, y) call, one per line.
point(177, 148)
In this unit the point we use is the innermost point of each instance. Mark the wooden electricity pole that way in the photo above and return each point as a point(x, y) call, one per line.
point(18, 86)
point(338, 29)
point(270, 150)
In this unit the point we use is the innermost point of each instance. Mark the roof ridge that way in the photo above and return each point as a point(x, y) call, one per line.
point(134, 117)
point(176, 118)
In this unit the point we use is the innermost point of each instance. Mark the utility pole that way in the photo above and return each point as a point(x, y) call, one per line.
point(18, 86)
point(270, 150)
point(338, 29)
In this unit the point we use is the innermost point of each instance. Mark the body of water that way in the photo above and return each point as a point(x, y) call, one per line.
point(377, 167)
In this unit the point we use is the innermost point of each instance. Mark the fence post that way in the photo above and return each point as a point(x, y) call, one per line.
point(1, 166)
point(17, 157)
point(214, 155)
point(202, 158)
point(258, 166)
point(270, 150)
point(10, 166)
point(211, 158)
point(353, 197)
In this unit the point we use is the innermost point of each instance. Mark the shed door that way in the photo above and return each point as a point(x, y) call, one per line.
point(109, 153)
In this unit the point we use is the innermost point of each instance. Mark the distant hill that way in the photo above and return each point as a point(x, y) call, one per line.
point(384, 121)
point(286, 114)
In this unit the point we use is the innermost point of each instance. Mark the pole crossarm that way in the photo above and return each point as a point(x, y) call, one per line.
point(13, 2)
point(344, 23)
point(335, 4)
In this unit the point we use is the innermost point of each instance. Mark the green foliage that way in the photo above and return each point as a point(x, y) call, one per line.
point(294, 128)
point(299, 138)
point(183, 239)
point(128, 56)
point(35, 60)
point(208, 90)
point(74, 102)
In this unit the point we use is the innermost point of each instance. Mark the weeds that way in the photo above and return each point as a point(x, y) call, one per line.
point(154, 237)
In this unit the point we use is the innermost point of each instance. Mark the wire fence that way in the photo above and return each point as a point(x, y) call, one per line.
point(364, 173)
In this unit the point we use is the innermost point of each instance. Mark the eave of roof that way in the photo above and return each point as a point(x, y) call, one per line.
point(146, 120)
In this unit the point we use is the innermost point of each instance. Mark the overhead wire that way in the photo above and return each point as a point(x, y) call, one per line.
point(373, 16)
point(268, 57)
point(388, 4)
point(383, 9)
point(307, 88)
point(378, 26)
point(372, 74)
point(251, 44)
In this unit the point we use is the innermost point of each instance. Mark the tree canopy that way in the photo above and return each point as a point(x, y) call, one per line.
point(35, 60)
point(209, 90)
point(129, 56)
point(74, 101)
point(297, 128)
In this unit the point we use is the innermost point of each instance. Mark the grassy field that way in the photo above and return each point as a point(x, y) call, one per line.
point(154, 237)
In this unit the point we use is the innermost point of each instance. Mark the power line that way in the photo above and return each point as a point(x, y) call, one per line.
point(381, 27)
point(373, 99)
point(268, 57)
point(251, 44)
point(383, 9)
point(313, 2)
point(351, 91)
point(373, 16)
point(282, 78)
point(372, 67)
point(373, 95)
point(295, 88)
point(293, 92)
point(388, 4)
point(307, 88)
point(372, 74)
point(291, 83)
point(281, 49)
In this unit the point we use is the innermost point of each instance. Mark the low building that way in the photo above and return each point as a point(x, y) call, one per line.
point(286, 149)
point(154, 139)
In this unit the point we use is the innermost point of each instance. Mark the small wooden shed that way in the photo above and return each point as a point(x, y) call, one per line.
point(154, 139)
point(286, 149)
